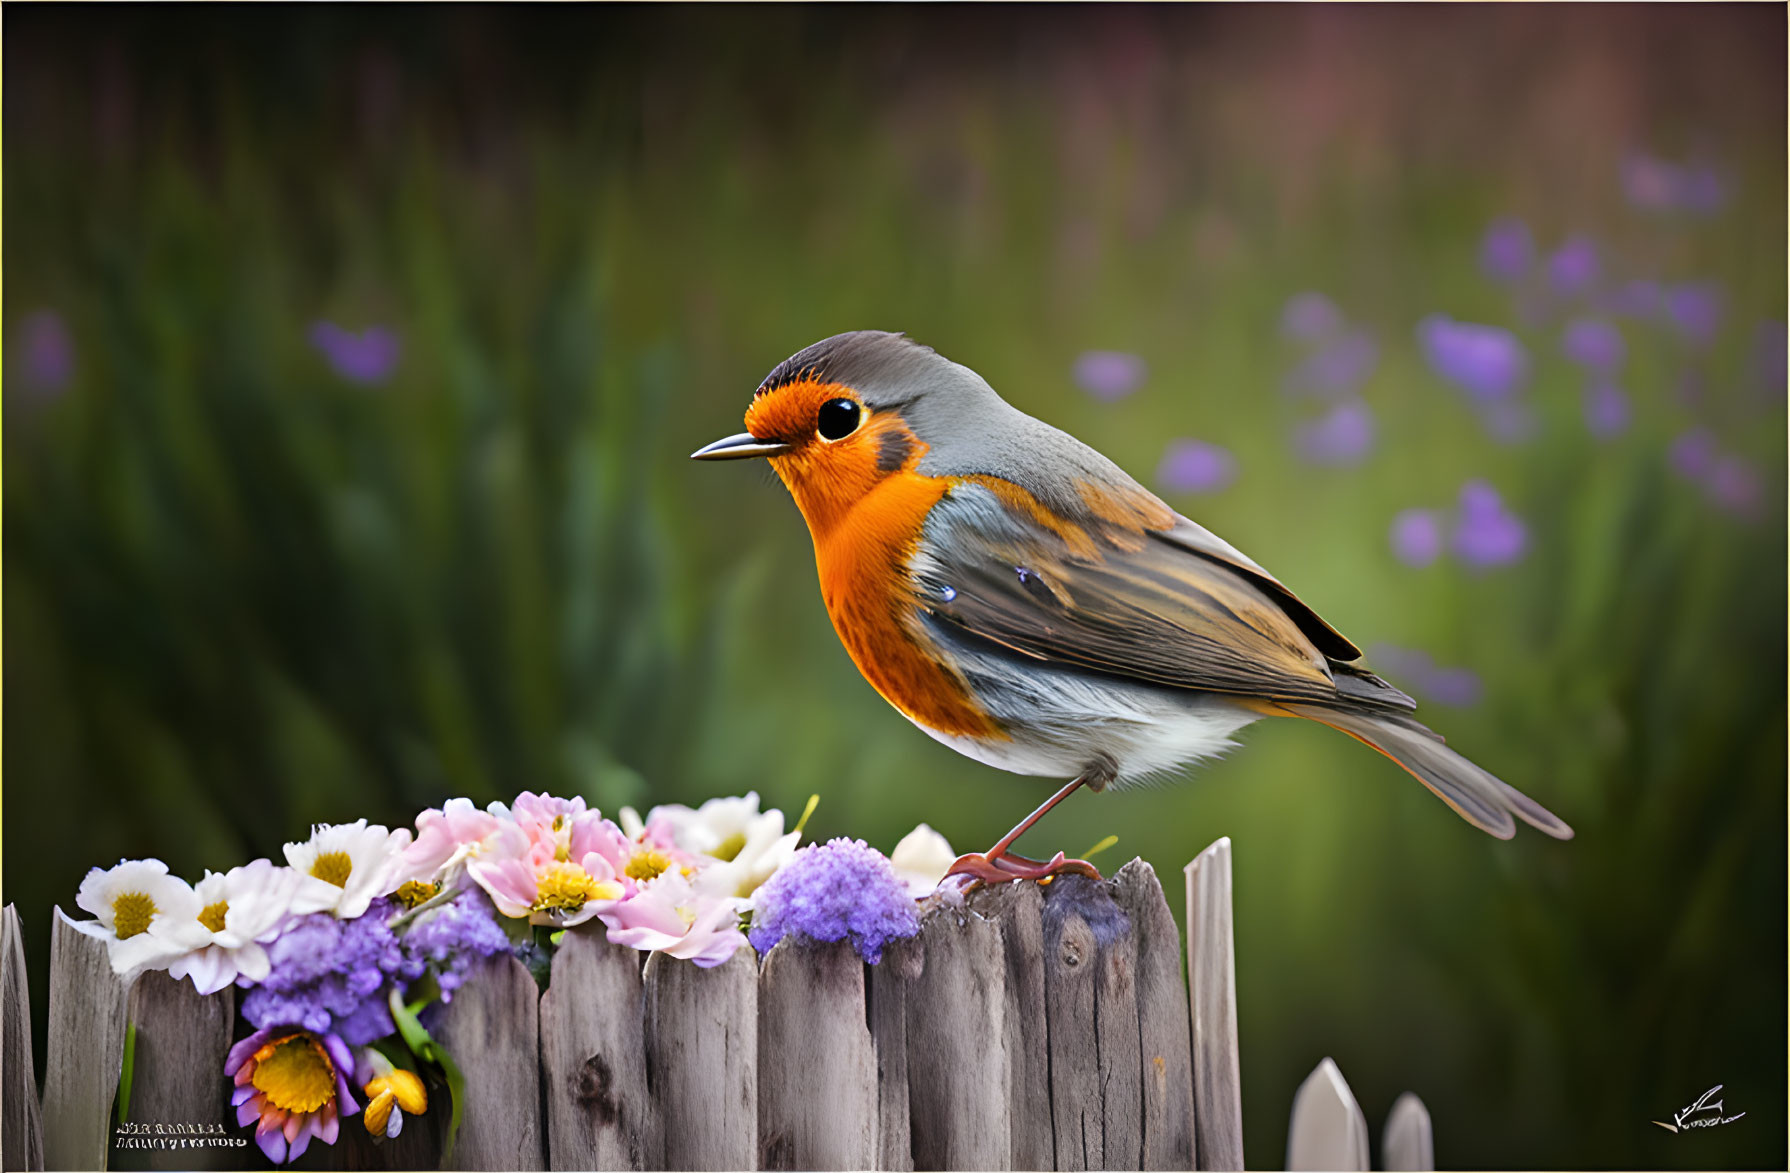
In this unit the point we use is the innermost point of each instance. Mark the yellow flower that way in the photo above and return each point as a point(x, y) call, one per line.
point(389, 1096)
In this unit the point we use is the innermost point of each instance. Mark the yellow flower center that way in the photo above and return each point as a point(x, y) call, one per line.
point(131, 914)
point(295, 1074)
point(212, 915)
point(413, 892)
point(568, 887)
point(647, 865)
point(332, 867)
point(730, 847)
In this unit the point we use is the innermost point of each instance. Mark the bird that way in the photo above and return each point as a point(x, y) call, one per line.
point(1027, 603)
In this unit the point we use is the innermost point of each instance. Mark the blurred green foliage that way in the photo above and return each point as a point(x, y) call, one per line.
point(243, 593)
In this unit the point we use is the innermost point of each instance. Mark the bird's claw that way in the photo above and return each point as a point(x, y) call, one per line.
point(1005, 868)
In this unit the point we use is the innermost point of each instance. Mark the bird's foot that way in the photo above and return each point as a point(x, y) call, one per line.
point(1005, 868)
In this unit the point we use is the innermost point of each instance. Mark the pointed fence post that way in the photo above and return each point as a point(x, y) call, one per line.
point(1162, 1020)
point(21, 1120)
point(1408, 1142)
point(817, 1085)
point(88, 1005)
point(1327, 1130)
point(1212, 980)
point(593, 1056)
point(702, 1060)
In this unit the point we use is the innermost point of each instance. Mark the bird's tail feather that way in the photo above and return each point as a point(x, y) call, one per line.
point(1483, 800)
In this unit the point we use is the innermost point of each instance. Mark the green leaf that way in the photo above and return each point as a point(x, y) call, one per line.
point(418, 1039)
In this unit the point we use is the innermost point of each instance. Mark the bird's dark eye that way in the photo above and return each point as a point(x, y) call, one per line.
point(839, 418)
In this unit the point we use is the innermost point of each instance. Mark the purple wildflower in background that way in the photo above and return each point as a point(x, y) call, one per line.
point(1337, 368)
point(1109, 374)
point(452, 936)
point(1593, 344)
point(1417, 536)
point(1310, 318)
point(46, 352)
point(1508, 251)
point(1194, 466)
point(368, 358)
point(1573, 268)
point(1485, 533)
point(1655, 185)
point(1733, 484)
point(1414, 670)
point(832, 892)
point(1693, 454)
point(328, 975)
point(1485, 361)
point(1457, 688)
point(1606, 409)
point(1343, 436)
point(1695, 311)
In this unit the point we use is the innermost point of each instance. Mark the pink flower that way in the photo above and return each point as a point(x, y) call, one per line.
point(446, 838)
point(672, 914)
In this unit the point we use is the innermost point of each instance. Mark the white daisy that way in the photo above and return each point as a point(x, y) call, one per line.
point(141, 910)
point(362, 861)
point(751, 844)
point(240, 912)
point(921, 859)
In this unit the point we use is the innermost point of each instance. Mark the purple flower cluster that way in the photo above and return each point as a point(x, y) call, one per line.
point(1342, 436)
point(1413, 668)
point(1729, 481)
point(1109, 374)
point(1339, 360)
point(1481, 532)
point(331, 976)
point(1487, 362)
point(832, 892)
point(47, 352)
point(1194, 466)
point(1655, 185)
point(368, 358)
point(450, 937)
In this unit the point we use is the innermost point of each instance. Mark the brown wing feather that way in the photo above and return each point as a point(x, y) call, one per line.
point(1158, 613)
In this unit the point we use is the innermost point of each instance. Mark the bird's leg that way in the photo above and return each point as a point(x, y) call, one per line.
point(997, 866)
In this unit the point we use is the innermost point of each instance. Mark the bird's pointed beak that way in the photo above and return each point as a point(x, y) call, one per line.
point(739, 447)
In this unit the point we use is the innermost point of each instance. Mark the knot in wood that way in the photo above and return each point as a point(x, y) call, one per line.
point(1077, 942)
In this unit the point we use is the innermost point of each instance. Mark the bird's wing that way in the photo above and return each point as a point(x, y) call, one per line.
point(1149, 609)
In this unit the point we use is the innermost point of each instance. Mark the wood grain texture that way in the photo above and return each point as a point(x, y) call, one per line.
point(1408, 1142)
point(1164, 1028)
point(817, 1086)
point(1212, 990)
point(178, 1074)
point(1019, 910)
point(1327, 1129)
point(88, 1005)
point(701, 1037)
point(1096, 1094)
point(490, 1030)
point(21, 1118)
point(593, 1056)
point(957, 1045)
point(891, 984)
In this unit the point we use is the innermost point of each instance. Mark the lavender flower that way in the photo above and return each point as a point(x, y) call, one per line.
point(1109, 374)
point(1654, 185)
point(1194, 466)
point(1606, 409)
point(1344, 436)
point(1338, 368)
point(1310, 318)
point(1695, 311)
point(330, 976)
point(1733, 484)
point(1455, 687)
point(1693, 454)
point(1486, 534)
point(1508, 251)
point(1593, 344)
point(368, 358)
point(1485, 361)
point(834, 891)
point(1573, 268)
point(1417, 536)
point(452, 936)
point(47, 352)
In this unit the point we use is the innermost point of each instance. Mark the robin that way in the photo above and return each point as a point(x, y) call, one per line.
point(1021, 599)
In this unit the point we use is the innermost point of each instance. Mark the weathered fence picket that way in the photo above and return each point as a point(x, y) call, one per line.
point(1030, 1026)
point(21, 1120)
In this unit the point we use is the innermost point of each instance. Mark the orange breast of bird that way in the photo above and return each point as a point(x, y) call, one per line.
point(865, 521)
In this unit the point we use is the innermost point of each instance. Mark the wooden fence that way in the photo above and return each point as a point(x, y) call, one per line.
point(1035, 1027)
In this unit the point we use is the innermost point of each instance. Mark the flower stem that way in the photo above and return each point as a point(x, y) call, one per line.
point(435, 901)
